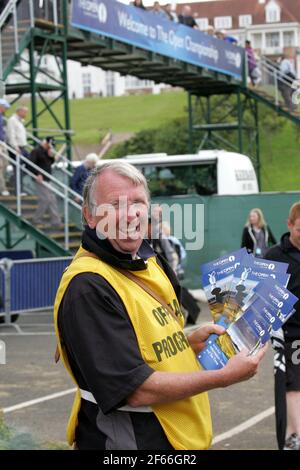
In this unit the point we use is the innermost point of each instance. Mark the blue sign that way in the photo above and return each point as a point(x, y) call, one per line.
point(150, 31)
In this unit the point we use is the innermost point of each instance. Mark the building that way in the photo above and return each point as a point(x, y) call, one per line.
point(85, 81)
point(272, 26)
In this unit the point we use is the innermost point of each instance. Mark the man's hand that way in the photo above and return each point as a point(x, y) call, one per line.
point(197, 338)
point(39, 178)
point(242, 366)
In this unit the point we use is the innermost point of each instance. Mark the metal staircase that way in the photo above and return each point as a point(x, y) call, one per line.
point(18, 210)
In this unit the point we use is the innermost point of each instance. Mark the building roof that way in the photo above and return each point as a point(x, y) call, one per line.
point(290, 10)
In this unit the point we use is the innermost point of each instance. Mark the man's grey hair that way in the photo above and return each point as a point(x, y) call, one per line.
point(21, 108)
point(121, 168)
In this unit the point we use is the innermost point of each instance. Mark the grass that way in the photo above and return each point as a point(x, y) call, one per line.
point(91, 118)
point(280, 159)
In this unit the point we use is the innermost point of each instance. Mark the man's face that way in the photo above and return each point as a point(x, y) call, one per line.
point(294, 229)
point(22, 113)
point(120, 212)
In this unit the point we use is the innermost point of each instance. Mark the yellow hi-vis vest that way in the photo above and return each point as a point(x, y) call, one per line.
point(162, 343)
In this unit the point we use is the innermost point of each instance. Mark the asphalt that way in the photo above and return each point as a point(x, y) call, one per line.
point(31, 373)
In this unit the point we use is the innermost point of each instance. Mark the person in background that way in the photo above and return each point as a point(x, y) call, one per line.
point(287, 75)
point(253, 69)
point(17, 139)
point(82, 172)
point(171, 12)
point(158, 10)
point(257, 237)
point(187, 18)
point(43, 157)
point(210, 30)
point(4, 106)
point(190, 305)
point(286, 360)
point(138, 4)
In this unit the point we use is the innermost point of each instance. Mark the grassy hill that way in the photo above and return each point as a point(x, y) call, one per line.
point(91, 118)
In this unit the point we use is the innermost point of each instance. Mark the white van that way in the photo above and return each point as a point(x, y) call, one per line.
point(206, 173)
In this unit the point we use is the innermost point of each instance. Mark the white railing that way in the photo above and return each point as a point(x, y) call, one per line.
point(23, 166)
point(279, 87)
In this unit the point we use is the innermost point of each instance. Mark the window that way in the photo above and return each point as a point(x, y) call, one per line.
point(110, 83)
point(272, 40)
point(273, 12)
point(288, 39)
point(134, 82)
point(257, 41)
point(202, 23)
point(86, 83)
point(223, 22)
point(245, 21)
point(168, 180)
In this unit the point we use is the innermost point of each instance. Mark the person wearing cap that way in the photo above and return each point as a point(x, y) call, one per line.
point(82, 172)
point(4, 105)
point(43, 157)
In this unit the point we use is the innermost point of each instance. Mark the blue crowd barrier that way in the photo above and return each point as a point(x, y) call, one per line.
point(33, 284)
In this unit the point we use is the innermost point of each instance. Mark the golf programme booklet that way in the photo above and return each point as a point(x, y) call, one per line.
point(249, 298)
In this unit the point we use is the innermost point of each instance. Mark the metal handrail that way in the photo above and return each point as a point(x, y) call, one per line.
point(65, 192)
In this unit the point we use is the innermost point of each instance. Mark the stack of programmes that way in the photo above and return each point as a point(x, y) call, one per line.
point(249, 298)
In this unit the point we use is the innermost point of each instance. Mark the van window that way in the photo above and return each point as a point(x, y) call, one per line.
point(169, 180)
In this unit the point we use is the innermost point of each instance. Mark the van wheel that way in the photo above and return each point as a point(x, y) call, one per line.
point(14, 318)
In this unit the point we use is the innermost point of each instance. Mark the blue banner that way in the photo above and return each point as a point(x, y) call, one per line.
point(150, 31)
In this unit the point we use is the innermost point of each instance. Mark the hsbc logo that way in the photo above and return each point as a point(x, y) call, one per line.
point(102, 13)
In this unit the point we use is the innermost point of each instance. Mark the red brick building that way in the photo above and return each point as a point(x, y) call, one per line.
point(273, 26)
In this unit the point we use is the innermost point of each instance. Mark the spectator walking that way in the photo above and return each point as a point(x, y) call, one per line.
point(4, 106)
point(257, 236)
point(82, 172)
point(287, 76)
point(43, 157)
point(17, 139)
point(253, 69)
point(286, 361)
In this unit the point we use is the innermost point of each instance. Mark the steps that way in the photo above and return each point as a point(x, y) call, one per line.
point(28, 207)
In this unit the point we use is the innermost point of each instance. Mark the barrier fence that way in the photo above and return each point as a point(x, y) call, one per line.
point(28, 285)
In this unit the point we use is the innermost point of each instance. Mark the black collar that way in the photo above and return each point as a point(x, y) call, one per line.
point(104, 250)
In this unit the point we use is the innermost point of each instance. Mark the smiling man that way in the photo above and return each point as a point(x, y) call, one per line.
point(120, 331)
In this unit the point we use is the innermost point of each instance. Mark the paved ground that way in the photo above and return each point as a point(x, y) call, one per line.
point(30, 373)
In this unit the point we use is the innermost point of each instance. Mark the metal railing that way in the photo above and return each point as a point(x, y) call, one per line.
point(29, 285)
point(24, 167)
point(17, 18)
point(277, 86)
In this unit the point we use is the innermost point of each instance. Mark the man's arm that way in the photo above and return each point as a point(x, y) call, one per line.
point(164, 387)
